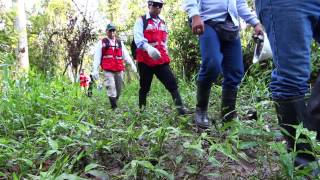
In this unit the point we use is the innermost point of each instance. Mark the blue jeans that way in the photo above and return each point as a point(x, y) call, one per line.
point(220, 57)
point(291, 25)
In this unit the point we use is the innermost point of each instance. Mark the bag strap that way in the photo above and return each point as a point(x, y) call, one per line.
point(144, 21)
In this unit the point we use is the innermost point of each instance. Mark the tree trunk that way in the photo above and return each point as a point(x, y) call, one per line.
point(22, 48)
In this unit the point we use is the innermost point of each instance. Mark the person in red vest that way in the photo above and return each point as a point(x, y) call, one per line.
point(84, 79)
point(110, 55)
point(152, 55)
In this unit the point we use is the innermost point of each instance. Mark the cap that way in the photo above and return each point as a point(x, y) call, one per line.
point(110, 26)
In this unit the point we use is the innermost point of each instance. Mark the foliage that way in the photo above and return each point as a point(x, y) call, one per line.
point(51, 130)
point(61, 26)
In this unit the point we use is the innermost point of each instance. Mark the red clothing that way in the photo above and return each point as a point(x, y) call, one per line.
point(84, 80)
point(156, 36)
point(111, 58)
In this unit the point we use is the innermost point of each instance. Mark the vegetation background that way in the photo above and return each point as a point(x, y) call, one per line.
point(49, 128)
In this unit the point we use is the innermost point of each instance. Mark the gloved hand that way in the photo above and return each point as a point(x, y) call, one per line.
point(153, 52)
point(95, 75)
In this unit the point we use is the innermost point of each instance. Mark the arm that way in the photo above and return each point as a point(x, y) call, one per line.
point(245, 13)
point(96, 60)
point(250, 17)
point(142, 42)
point(138, 34)
point(127, 58)
point(192, 9)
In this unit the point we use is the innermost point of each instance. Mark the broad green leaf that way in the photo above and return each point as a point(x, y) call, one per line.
point(53, 144)
point(90, 167)
point(192, 169)
point(214, 162)
point(164, 173)
point(27, 161)
point(146, 164)
point(14, 176)
point(247, 145)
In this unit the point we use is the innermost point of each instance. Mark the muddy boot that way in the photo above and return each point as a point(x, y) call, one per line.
point(201, 118)
point(113, 102)
point(182, 110)
point(228, 104)
point(292, 112)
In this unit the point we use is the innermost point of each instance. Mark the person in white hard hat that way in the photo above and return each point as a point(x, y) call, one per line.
point(111, 54)
point(150, 36)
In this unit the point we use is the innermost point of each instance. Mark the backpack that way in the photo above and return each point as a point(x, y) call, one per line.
point(133, 45)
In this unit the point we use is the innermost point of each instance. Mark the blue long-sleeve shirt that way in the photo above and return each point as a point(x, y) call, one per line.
point(218, 10)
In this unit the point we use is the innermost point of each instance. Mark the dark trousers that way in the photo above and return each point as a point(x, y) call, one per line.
point(162, 72)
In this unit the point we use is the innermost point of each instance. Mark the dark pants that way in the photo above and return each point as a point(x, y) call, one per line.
point(162, 72)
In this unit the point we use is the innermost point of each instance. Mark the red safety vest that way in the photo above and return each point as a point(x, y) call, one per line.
point(156, 36)
point(111, 56)
point(84, 80)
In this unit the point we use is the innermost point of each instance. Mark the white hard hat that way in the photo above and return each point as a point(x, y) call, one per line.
point(262, 49)
point(158, 1)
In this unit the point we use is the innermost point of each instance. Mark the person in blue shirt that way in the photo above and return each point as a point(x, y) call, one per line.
point(291, 26)
point(216, 23)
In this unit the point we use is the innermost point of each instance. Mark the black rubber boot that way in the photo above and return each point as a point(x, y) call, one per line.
point(113, 102)
point(201, 117)
point(142, 100)
point(182, 110)
point(314, 108)
point(292, 112)
point(228, 104)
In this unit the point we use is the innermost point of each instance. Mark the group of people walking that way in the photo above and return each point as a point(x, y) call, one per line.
point(290, 27)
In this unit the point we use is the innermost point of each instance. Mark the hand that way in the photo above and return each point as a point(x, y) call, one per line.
point(153, 52)
point(197, 25)
point(95, 74)
point(258, 30)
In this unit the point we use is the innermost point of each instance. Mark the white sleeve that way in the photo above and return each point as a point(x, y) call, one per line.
point(138, 36)
point(97, 57)
point(126, 56)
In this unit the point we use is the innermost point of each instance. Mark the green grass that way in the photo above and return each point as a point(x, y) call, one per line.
point(49, 129)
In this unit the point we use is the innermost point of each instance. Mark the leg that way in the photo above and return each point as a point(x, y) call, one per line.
point(111, 88)
point(289, 81)
point(165, 75)
point(314, 108)
point(211, 58)
point(119, 83)
point(146, 74)
point(232, 67)
point(314, 102)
